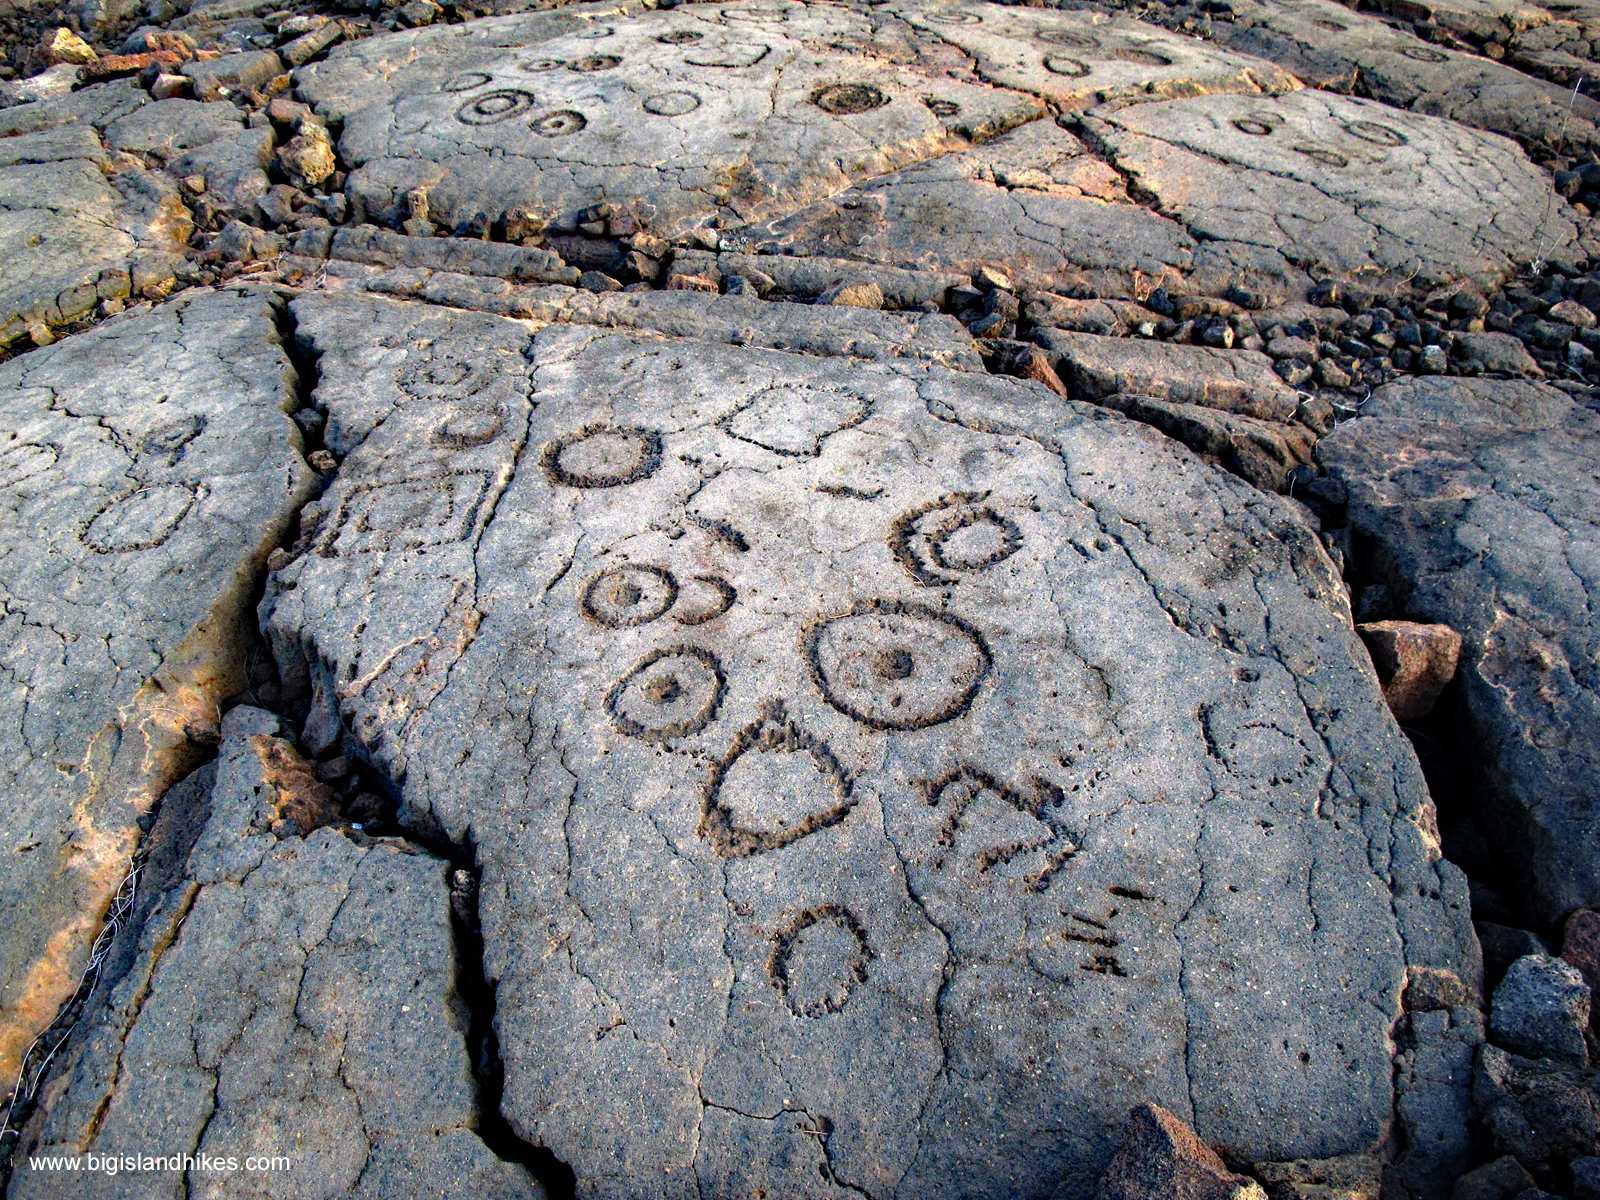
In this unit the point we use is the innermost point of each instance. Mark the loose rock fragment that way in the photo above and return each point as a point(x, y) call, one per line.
point(1541, 1010)
point(1414, 663)
point(1161, 1159)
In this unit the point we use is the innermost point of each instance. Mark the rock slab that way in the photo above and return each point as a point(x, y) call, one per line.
point(883, 777)
point(148, 468)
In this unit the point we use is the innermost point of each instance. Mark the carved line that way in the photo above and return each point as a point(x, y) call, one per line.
point(726, 595)
point(693, 723)
point(771, 730)
point(783, 948)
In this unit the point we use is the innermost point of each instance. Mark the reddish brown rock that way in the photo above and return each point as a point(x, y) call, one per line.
point(113, 65)
point(1414, 663)
point(1580, 947)
point(1161, 1158)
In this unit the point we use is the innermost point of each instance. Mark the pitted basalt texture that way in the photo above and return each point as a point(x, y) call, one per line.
point(290, 996)
point(878, 871)
point(148, 468)
point(1478, 500)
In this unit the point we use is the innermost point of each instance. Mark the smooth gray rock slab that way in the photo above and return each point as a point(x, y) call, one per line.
point(1541, 1009)
point(167, 128)
point(1328, 45)
point(1237, 381)
point(1480, 499)
point(1348, 185)
point(1033, 202)
point(741, 116)
point(98, 105)
point(289, 997)
point(147, 469)
point(1079, 59)
point(870, 765)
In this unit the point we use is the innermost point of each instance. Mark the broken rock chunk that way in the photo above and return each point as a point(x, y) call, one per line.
point(1161, 1158)
point(1414, 663)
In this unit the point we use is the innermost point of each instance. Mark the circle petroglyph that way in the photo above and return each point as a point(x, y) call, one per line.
point(1254, 126)
point(891, 664)
point(680, 37)
point(1378, 135)
point(465, 82)
point(706, 597)
point(973, 539)
point(446, 377)
point(1328, 158)
point(671, 104)
point(631, 594)
point(21, 462)
point(467, 428)
point(602, 456)
point(776, 784)
point(560, 123)
point(1066, 37)
point(140, 521)
point(954, 18)
point(1145, 58)
point(535, 65)
point(1425, 54)
point(953, 533)
point(492, 107)
point(795, 419)
point(818, 961)
point(847, 99)
point(738, 54)
point(671, 693)
point(594, 62)
point(595, 34)
point(1060, 64)
point(1335, 26)
point(942, 108)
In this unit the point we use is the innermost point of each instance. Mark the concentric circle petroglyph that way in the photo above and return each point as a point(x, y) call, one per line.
point(602, 456)
point(502, 104)
point(894, 664)
point(630, 594)
point(818, 961)
point(670, 693)
point(560, 123)
point(1068, 37)
point(958, 533)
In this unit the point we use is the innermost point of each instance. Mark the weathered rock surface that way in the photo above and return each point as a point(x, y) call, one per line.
point(882, 777)
point(1414, 663)
point(1079, 59)
point(293, 994)
point(1329, 46)
point(66, 234)
point(1311, 182)
point(701, 112)
point(1479, 499)
point(148, 469)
